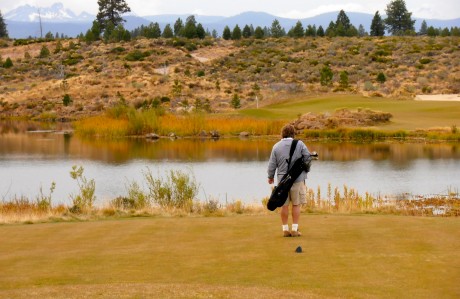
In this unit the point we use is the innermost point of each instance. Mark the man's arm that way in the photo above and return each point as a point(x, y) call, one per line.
point(271, 167)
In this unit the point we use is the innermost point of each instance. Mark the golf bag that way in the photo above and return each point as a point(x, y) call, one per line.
point(280, 193)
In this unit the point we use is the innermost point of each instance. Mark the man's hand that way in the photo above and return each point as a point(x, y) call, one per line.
point(271, 181)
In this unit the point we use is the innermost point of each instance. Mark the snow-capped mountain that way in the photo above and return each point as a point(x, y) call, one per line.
point(54, 13)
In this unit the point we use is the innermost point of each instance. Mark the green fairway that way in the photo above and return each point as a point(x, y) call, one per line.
point(407, 114)
point(233, 257)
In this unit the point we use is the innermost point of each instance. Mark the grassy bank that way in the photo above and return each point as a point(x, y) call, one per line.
point(408, 115)
point(233, 257)
point(411, 120)
point(193, 124)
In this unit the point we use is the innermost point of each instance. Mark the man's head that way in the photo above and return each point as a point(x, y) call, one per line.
point(288, 131)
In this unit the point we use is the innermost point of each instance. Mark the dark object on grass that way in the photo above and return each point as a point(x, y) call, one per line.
point(298, 249)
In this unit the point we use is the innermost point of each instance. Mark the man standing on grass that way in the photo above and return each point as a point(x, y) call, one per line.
point(279, 161)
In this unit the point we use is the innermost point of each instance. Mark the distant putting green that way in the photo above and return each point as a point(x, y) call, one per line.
point(243, 256)
point(407, 114)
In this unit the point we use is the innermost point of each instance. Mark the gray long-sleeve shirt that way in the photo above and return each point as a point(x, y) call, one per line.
point(280, 155)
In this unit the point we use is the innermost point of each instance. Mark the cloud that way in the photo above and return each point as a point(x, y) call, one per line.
point(426, 11)
point(348, 7)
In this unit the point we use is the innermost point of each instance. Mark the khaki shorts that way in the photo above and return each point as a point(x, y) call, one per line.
point(297, 194)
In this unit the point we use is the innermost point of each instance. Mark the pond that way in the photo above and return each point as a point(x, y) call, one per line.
point(227, 169)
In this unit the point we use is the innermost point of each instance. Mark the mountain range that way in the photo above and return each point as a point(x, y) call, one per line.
point(23, 21)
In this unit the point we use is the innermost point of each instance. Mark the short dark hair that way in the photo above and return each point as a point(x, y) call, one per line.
point(288, 131)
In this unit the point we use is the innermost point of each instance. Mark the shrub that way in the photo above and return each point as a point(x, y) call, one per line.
point(8, 63)
point(44, 201)
point(135, 55)
point(326, 76)
point(66, 100)
point(85, 199)
point(236, 103)
point(425, 60)
point(381, 78)
point(368, 86)
point(44, 52)
point(136, 198)
point(177, 190)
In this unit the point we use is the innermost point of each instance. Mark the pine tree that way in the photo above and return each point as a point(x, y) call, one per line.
point(310, 31)
point(399, 21)
point(200, 32)
point(227, 34)
point(342, 24)
point(320, 31)
point(3, 30)
point(167, 31)
point(259, 33)
point(361, 31)
point(236, 33)
point(190, 27)
point(276, 29)
point(423, 28)
point(247, 31)
point(330, 31)
point(377, 25)
point(298, 30)
point(111, 11)
point(178, 27)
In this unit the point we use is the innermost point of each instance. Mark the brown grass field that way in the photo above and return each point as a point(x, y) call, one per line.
point(245, 256)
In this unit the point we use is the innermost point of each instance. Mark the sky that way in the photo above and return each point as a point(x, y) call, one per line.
point(294, 9)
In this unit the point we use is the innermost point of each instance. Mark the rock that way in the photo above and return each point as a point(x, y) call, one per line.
point(172, 135)
point(152, 136)
point(244, 134)
point(203, 134)
point(214, 134)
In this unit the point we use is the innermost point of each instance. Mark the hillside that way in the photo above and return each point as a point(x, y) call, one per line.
point(179, 73)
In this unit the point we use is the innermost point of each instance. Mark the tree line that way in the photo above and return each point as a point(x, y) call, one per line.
point(108, 26)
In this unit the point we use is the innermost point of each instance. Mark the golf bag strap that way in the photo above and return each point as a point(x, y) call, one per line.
point(291, 151)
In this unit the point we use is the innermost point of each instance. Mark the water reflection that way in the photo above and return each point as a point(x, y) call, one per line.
point(227, 168)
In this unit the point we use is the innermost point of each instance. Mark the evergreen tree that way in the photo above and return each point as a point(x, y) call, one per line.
point(236, 103)
point(227, 34)
point(310, 31)
point(445, 32)
point(298, 30)
point(342, 24)
point(151, 31)
point(377, 25)
point(320, 31)
point(190, 27)
point(431, 31)
point(3, 30)
point(326, 75)
point(108, 31)
point(361, 31)
point(168, 32)
point(276, 29)
point(423, 28)
point(96, 30)
point(178, 27)
point(343, 81)
point(8, 63)
point(399, 21)
point(259, 33)
point(454, 31)
point(330, 31)
point(111, 11)
point(214, 33)
point(200, 32)
point(247, 31)
point(236, 33)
